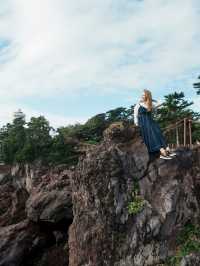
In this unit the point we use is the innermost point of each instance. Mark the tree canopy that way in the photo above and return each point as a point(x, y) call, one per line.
point(175, 107)
point(197, 86)
point(29, 141)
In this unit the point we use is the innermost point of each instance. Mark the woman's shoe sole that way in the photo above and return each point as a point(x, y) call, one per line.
point(172, 155)
point(165, 157)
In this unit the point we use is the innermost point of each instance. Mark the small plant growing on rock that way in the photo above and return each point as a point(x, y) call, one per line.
point(137, 203)
point(188, 242)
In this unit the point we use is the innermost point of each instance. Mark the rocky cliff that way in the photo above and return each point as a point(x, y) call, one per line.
point(35, 213)
point(131, 210)
point(117, 207)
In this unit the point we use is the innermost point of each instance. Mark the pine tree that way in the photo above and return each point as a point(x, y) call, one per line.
point(174, 108)
point(197, 86)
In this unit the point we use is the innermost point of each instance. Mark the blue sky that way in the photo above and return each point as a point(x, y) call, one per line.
point(69, 60)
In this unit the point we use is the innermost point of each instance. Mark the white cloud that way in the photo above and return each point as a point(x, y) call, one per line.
point(62, 46)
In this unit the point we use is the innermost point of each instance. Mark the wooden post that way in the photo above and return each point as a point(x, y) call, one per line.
point(190, 132)
point(177, 136)
point(184, 132)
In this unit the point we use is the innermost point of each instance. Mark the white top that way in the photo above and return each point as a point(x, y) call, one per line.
point(136, 108)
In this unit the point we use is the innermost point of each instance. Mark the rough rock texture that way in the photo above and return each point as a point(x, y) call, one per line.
point(103, 231)
point(191, 260)
point(38, 204)
point(51, 199)
point(35, 213)
point(12, 202)
point(16, 242)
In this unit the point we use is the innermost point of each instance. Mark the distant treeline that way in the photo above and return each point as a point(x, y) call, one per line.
point(29, 141)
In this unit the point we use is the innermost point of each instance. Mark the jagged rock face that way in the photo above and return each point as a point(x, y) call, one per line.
point(34, 219)
point(191, 260)
point(12, 198)
point(51, 199)
point(16, 242)
point(12, 202)
point(103, 231)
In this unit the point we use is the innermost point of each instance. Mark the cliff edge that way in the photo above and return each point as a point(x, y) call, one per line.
point(132, 210)
point(117, 207)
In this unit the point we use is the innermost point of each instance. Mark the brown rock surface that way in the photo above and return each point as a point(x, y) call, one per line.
point(36, 206)
point(35, 212)
point(51, 199)
point(103, 231)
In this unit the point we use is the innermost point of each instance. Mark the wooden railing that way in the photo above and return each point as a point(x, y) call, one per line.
point(180, 133)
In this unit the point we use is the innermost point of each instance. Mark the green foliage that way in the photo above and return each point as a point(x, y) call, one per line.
point(38, 137)
point(197, 86)
point(188, 241)
point(119, 114)
point(94, 128)
point(189, 231)
point(13, 137)
point(137, 203)
point(62, 150)
point(34, 142)
point(26, 142)
point(175, 107)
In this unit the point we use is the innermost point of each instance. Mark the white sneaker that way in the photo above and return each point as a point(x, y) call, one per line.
point(172, 154)
point(165, 157)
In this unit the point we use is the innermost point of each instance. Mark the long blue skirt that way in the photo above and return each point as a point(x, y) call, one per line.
point(150, 131)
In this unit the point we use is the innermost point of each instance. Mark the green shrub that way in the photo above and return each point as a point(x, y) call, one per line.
point(188, 241)
point(136, 205)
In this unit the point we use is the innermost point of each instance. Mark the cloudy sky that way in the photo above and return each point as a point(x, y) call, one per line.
point(69, 60)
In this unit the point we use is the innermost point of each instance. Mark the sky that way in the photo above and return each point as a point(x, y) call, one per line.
point(70, 60)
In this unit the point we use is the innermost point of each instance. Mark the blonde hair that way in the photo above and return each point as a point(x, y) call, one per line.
point(148, 99)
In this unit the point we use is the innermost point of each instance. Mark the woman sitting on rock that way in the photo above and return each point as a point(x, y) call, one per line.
point(150, 130)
